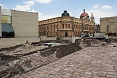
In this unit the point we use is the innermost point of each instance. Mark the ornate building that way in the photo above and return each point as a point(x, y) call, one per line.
point(67, 26)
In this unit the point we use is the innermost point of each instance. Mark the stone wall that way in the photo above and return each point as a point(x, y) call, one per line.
point(44, 38)
point(8, 42)
point(111, 22)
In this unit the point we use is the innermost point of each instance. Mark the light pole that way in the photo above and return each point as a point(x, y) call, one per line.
point(95, 28)
point(82, 25)
point(107, 29)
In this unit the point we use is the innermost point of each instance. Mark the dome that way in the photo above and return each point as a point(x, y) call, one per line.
point(84, 14)
point(65, 13)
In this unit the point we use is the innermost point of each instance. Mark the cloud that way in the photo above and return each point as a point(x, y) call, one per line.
point(42, 1)
point(28, 4)
point(44, 17)
point(31, 3)
point(95, 6)
point(26, 7)
point(22, 8)
point(100, 14)
point(3, 6)
point(106, 7)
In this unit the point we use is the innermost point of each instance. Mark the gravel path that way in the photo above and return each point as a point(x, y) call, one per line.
point(91, 62)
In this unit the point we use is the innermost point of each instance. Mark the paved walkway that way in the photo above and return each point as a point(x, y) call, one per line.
point(91, 62)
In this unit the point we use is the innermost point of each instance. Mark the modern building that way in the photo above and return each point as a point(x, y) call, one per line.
point(108, 25)
point(67, 26)
point(14, 24)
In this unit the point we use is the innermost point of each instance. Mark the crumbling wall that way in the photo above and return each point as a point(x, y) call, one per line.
point(61, 50)
point(112, 40)
point(91, 42)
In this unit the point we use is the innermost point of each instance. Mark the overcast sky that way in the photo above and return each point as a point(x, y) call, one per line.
point(54, 8)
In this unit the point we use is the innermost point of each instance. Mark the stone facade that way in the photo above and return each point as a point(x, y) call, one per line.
point(65, 26)
point(108, 24)
point(25, 24)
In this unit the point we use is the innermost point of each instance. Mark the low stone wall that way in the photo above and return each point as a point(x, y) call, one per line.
point(71, 39)
point(8, 42)
point(44, 38)
point(11, 48)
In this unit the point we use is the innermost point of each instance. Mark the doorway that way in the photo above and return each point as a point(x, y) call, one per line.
point(66, 34)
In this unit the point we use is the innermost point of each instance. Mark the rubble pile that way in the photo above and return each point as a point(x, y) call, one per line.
point(90, 42)
point(113, 40)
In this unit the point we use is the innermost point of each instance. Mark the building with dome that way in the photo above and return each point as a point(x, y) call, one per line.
point(67, 26)
point(84, 14)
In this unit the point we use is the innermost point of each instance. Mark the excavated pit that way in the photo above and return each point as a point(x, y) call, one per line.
point(20, 59)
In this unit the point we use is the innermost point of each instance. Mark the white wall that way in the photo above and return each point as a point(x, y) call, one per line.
point(6, 12)
point(25, 24)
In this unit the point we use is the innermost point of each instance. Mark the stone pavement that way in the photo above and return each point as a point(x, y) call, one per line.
point(91, 62)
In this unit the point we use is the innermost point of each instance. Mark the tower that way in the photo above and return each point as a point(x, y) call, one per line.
point(92, 18)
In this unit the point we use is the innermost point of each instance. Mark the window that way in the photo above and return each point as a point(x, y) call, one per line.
point(68, 25)
point(65, 25)
point(85, 28)
point(47, 34)
point(62, 25)
point(51, 33)
point(51, 27)
point(47, 27)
